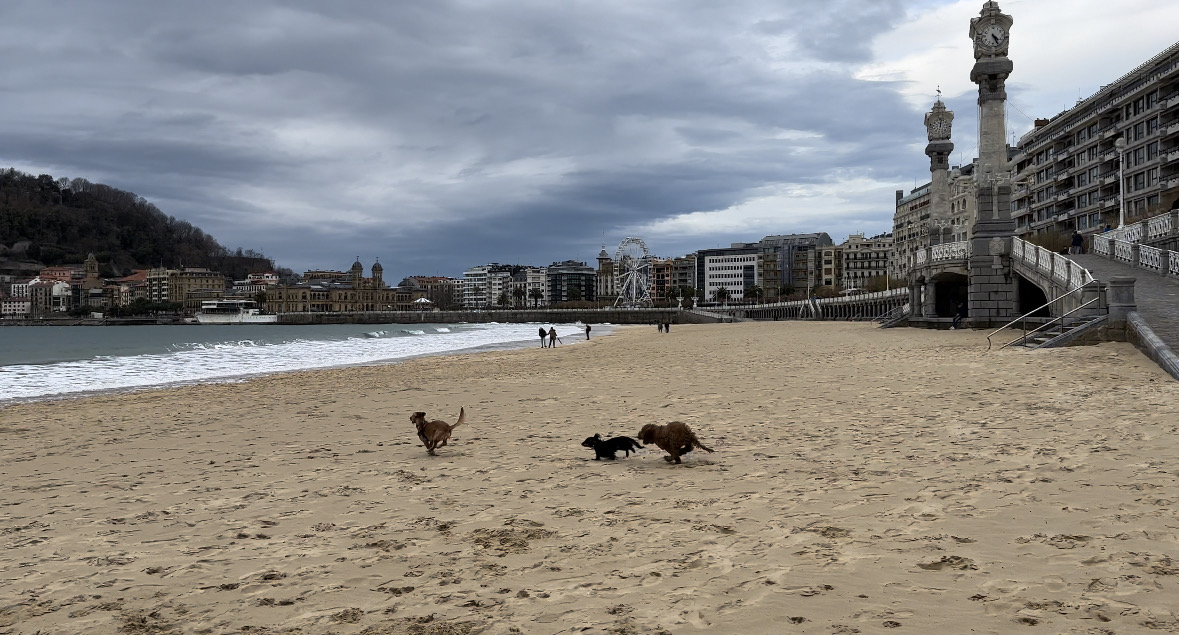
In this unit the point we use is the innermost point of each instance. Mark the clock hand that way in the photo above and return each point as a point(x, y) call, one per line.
point(995, 38)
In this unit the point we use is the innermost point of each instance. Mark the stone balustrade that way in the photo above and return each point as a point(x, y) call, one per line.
point(1117, 245)
point(1052, 266)
point(950, 251)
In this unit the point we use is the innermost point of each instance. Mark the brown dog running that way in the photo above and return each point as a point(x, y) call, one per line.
point(434, 434)
point(674, 438)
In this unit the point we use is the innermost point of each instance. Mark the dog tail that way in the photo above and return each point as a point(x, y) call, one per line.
point(696, 442)
point(463, 417)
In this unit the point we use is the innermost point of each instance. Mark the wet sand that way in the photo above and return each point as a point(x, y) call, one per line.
point(863, 480)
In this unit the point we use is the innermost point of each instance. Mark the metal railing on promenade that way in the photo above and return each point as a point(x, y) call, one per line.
point(1126, 244)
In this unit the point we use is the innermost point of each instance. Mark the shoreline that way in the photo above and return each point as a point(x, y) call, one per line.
point(863, 479)
point(604, 330)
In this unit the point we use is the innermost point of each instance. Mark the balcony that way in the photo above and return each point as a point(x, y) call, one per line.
point(1169, 102)
point(1170, 129)
point(1170, 157)
point(1109, 178)
point(1108, 132)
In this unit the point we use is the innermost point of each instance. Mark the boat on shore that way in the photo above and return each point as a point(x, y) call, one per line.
point(232, 312)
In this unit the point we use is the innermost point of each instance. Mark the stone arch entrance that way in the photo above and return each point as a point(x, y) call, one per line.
point(950, 289)
point(1031, 296)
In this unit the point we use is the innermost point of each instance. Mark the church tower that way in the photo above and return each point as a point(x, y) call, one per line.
point(357, 274)
point(378, 275)
point(992, 295)
point(938, 122)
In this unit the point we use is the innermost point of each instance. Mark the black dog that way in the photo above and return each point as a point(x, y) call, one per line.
point(606, 449)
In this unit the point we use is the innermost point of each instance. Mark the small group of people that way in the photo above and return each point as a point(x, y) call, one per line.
point(549, 339)
point(1078, 244)
point(664, 327)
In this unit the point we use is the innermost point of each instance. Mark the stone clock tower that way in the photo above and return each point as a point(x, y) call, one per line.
point(937, 126)
point(992, 296)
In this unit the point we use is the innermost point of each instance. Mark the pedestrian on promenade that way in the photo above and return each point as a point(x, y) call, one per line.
point(552, 337)
point(958, 316)
point(543, 334)
point(667, 327)
point(587, 330)
point(1078, 243)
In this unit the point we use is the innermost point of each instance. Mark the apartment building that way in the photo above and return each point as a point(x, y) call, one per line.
point(1074, 170)
point(864, 259)
point(912, 214)
point(175, 285)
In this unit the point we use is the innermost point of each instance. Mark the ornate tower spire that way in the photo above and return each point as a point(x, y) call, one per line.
point(938, 122)
point(992, 293)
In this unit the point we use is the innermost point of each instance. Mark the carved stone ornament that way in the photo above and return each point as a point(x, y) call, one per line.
point(997, 246)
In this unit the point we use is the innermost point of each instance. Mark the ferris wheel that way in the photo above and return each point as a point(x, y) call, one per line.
point(634, 273)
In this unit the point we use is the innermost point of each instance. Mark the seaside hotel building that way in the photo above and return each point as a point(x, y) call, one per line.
point(1072, 170)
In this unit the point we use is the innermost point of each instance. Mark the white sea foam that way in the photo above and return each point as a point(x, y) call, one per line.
point(194, 362)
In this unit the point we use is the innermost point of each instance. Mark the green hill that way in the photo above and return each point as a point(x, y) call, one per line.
point(46, 221)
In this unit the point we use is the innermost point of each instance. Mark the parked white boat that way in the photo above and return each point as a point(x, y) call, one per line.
point(232, 312)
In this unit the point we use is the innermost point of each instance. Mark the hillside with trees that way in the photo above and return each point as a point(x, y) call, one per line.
point(46, 221)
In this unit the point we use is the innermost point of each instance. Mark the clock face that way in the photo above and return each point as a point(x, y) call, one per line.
point(991, 37)
point(939, 128)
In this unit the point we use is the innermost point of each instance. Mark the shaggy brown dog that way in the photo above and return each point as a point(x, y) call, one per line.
point(434, 434)
point(674, 438)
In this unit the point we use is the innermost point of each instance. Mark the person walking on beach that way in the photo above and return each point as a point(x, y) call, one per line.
point(958, 316)
point(543, 334)
point(659, 325)
point(667, 327)
point(552, 337)
point(587, 330)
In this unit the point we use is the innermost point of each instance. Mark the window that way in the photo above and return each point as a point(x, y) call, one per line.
point(1152, 150)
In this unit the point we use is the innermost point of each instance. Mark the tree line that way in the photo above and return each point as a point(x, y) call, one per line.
point(60, 221)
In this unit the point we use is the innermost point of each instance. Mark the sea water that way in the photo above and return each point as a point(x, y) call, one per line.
point(39, 362)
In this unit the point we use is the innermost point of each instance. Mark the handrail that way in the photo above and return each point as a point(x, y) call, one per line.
point(1025, 315)
point(1024, 340)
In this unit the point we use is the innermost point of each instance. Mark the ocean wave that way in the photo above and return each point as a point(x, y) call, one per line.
point(194, 362)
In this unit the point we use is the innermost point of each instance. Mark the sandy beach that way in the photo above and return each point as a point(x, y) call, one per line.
point(864, 481)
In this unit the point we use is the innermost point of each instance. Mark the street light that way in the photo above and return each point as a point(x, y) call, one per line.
point(1120, 145)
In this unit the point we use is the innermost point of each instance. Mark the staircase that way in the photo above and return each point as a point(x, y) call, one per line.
point(894, 317)
point(1059, 332)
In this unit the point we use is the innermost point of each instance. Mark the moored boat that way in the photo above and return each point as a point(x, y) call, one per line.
point(232, 312)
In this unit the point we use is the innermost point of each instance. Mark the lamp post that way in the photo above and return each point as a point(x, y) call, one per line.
point(1120, 145)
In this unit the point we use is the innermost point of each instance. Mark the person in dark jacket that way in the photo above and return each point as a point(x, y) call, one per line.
point(1078, 245)
point(543, 334)
point(959, 315)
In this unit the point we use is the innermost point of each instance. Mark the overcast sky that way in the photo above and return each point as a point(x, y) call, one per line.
point(438, 135)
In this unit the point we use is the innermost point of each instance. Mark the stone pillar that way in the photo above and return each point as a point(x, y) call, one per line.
point(929, 306)
point(1120, 297)
point(914, 298)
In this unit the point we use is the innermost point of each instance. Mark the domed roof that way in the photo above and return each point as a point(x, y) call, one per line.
point(377, 266)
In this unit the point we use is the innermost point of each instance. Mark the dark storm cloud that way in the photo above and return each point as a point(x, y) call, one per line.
point(441, 135)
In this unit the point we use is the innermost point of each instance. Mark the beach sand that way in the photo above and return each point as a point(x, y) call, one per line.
point(863, 480)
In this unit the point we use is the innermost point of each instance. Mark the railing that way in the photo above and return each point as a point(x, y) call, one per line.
point(921, 257)
point(1060, 267)
point(1050, 264)
point(1159, 226)
point(1123, 251)
point(1024, 339)
point(1132, 233)
point(951, 251)
point(1150, 258)
point(1023, 318)
point(1101, 245)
